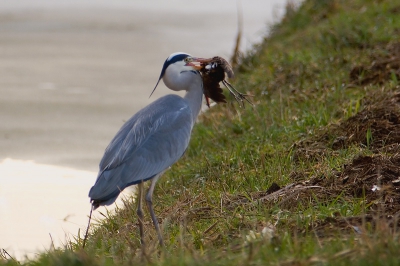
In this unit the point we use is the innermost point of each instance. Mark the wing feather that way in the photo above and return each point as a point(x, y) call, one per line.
point(147, 144)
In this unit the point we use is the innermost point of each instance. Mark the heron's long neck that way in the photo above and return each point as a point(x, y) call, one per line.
point(194, 97)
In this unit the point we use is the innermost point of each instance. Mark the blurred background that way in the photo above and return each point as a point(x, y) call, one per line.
point(71, 73)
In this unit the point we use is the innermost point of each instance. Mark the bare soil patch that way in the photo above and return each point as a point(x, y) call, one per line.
point(380, 117)
point(377, 127)
point(383, 67)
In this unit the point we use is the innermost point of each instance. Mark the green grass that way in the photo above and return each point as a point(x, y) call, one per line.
point(208, 203)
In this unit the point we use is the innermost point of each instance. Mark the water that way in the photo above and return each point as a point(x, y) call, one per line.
point(71, 72)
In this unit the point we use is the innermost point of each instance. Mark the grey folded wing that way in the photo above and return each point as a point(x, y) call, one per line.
point(147, 144)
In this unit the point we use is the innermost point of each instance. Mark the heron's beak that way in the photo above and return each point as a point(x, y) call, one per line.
point(196, 63)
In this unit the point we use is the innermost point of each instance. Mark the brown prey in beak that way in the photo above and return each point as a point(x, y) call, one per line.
point(213, 71)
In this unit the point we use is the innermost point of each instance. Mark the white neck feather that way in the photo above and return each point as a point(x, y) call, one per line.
point(188, 80)
point(194, 97)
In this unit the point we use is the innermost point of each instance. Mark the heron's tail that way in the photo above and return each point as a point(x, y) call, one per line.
point(103, 201)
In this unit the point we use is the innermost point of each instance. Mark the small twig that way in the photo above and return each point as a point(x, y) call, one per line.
point(236, 52)
point(87, 228)
point(297, 189)
point(210, 228)
point(276, 193)
point(52, 242)
point(282, 191)
point(3, 251)
point(343, 253)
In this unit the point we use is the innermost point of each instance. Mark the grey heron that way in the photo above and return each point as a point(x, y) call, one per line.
point(151, 140)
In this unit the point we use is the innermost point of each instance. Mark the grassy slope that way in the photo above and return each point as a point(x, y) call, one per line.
point(299, 77)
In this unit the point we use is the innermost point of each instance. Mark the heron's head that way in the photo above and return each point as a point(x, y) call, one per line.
point(176, 64)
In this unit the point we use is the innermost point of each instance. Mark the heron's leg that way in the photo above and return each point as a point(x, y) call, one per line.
point(140, 212)
point(149, 197)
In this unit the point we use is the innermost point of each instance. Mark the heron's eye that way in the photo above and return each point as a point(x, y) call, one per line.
point(188, 59)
